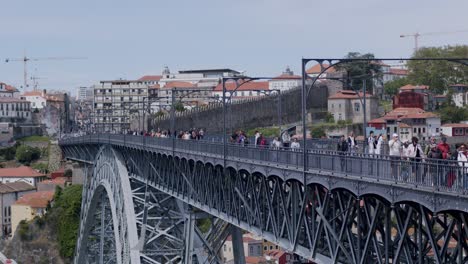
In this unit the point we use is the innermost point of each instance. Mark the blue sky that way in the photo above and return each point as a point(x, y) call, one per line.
point(127, 39)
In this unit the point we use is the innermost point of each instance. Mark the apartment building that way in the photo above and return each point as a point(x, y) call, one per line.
point(116, 103)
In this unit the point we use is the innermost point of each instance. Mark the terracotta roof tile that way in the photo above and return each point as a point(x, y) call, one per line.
point(150, 78)
point(413, 87)
point(347, 94)
point(287, 77)
point(23, 171)
point(247, 86)
point(456, 125)
point(317, 69)
point(36, 199)
point(12, 100)
point(397, 71)
point(18, 186)
point(179, 84)
point(254, 260)
point(32, 93)
point(408, 112)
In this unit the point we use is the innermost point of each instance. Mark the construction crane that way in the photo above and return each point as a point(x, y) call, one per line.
point(25, 60)
point(417, 35)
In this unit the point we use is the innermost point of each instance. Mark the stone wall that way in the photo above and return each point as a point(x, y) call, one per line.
point(250, 113)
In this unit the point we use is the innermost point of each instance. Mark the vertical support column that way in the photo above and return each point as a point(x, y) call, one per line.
point(358, 236)
point(189, 236)
point(101, 240)
point(388, 233)
point(237, 245)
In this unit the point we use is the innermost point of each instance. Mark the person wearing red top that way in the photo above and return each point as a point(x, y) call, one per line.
point(444, 148)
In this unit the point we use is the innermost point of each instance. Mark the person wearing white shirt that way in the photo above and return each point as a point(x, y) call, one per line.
point(276, 144)
point(371, 143)
point(257, 135)
point(295, 145)
point(394, 146)
point(463, 163)
point(380, 141)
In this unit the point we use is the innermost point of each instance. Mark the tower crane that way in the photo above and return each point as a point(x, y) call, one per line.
point(417, 35)
point(25, 60)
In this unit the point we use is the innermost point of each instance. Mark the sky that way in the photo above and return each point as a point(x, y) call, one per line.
point(129, 39)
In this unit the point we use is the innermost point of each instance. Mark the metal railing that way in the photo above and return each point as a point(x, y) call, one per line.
point(439, 175)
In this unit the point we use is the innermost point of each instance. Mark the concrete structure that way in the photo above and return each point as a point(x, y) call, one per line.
point(347, 105)
point(85, 94)
point(37, 98)
point(9, 193)
point(252, 247)
point(454, 130)
point(459, 94)
point(409, 122)
point(29, 206)
point(285, 81)
point(14, 110)
point(116, 103)
point(21, 174)
point(8, 90)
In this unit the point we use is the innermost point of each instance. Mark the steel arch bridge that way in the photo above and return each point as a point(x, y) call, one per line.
point(144, 196)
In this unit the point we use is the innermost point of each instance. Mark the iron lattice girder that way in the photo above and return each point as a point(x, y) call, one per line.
point(360, 176)
point(313, 221)
point(124, 220)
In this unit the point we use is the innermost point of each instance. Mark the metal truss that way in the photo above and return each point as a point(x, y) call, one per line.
point(317, 223)
point(124, 220)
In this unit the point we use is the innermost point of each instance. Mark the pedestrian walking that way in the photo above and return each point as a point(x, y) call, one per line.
point(371, 143)
point(416, 155)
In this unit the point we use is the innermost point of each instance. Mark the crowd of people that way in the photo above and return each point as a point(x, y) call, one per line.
point(194, 133)
point(259, 140)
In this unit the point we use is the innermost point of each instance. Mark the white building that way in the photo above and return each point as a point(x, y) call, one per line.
point(9, 193)
point(21, 174)
point(116, 103)
point(14, 110)
point(200, 78)
point(459, 94)
point(347, 105)
point(455, 130)
point(37, 98)
point(8, 90)
point(285, 81)
point(408, 123)
point(85, 94)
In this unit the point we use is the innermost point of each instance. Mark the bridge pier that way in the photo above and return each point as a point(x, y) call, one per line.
point(237, 245)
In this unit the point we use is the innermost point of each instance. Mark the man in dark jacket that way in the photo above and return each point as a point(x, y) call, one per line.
point(342, 149)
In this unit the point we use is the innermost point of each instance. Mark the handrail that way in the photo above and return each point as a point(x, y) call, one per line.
point(440, 175)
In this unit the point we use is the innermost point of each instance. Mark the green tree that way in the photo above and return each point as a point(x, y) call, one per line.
point(317, 132)
point(438, 74)
point(360, 70)
point(391, 87)
point(453, 114)
point(329, 118)
point(26, 154)
point(41, 167)
point(179, 107)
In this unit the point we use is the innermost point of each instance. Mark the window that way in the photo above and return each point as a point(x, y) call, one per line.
point(356, 107)
point(271, 247)
point(414, 130)
point(251, 250)
point(424, 130)
point(333, 105)
point(265, 248)
point(437, 130)
point(224, 248)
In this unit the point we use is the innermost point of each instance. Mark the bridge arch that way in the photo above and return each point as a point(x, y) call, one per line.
point(108, 187)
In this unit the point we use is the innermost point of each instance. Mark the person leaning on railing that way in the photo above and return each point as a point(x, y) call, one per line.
point(416, 155)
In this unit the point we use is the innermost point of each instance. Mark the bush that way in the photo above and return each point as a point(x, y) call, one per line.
point(26, 154)
point(329, 118)
point(23, 230)
point(317, 132)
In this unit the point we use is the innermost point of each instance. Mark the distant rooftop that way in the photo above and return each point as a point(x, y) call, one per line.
point(19, 186)
point(36, 199)
point(22, 171)
point(210, 71)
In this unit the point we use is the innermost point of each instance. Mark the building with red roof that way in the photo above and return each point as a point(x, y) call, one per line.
point(455, 130)
point(348, 105)
point(242, 90)
point(9, 193)
point(409, 122)
point(8, 90)
point(29, 206)
point(22, 173)
point(286, 81)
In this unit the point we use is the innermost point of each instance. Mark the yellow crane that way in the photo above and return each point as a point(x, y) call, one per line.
point(25, 60)
point(417, 35)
